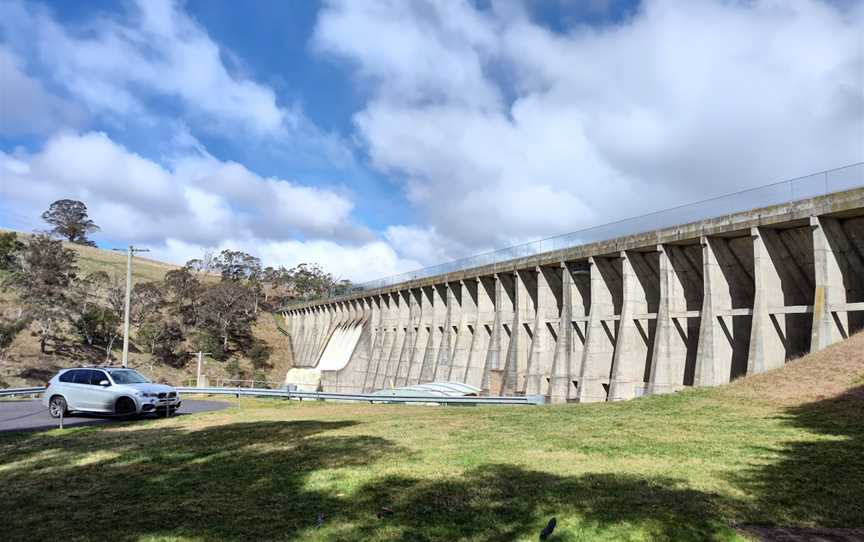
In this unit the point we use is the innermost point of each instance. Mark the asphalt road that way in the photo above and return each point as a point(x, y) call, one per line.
point(30, 415)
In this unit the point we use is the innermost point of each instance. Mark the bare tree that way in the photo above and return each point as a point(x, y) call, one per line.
point(227, 309)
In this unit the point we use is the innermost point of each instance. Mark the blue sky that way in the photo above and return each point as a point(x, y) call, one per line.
point(375, 137)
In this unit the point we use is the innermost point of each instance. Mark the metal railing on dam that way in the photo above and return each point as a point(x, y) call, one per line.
point(815, 184)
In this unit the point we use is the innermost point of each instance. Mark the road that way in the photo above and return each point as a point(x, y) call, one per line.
point(29, 415)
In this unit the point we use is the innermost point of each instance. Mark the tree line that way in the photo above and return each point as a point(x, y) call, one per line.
point(210, 304)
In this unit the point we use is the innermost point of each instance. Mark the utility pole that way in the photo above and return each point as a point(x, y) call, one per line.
point(130, 252)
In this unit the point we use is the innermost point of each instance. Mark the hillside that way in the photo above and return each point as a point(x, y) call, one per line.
point(771, 457)
point(25, 365)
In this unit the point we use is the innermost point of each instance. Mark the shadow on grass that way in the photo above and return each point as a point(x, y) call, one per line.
point(270, 480)
point(817, 482)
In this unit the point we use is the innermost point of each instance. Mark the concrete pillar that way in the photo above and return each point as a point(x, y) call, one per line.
point(547, 314)
point(726, 318)
point(422, 335)
point(356, 373)
point(674, 332)
point(561, 281)
point(667, 372)
point(387, 338)
point(478, 307)
point(406, 359)
point(636, 330)
point(525, 326)
point(509, 338)
point(438, 309)
point(830, 257)
point(767, 350)
point(782, 312)
point(491, 320)
point(466, 323)
point(450, 334)
point(376, 311)
point(398, 370)
point(602, 329)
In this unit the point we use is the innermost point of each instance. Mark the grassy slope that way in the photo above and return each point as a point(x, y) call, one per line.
point(27, 366)
point(687, 466)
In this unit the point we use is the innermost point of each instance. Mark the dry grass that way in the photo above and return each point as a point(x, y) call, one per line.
point(819, 375)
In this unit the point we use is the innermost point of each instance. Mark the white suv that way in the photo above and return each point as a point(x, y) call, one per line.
point(107, 391)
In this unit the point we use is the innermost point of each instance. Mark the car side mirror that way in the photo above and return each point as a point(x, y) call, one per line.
point(104, 383)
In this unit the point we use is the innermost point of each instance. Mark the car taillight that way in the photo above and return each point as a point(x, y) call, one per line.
point(48, 385)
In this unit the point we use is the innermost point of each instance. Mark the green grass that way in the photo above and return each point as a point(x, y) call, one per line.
point(683, 467)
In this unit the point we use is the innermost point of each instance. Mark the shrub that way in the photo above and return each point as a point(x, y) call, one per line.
point(97, 326)
point(259, 355)
point(204, 341)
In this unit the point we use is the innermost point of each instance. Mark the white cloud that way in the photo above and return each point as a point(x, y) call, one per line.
point(520, 132)
point(151, 65)
point(197, 203)
point(438, 56)
point(157, 49)
point(199, 199)
point(422, 244)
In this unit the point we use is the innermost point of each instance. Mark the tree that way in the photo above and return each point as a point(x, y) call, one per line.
point(163, 338)
point(259, 354)
point(90, 290)
point(204, 340)
point(9, 329)
point(237, 265)
point(98, 326)
point(42, 275)
point(70, 221)
point(204, 265)
point(146, 301)
point(9, 247)
point(343, 287)
point(227, 309)
point(185, 290)
point(309, 281)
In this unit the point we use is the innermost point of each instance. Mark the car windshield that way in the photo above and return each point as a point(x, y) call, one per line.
point(128, 376)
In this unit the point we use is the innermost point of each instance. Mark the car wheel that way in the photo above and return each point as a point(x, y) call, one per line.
point(125, 407)
point(57, 406)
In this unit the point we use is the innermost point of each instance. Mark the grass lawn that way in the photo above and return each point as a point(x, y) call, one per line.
point(688, 466)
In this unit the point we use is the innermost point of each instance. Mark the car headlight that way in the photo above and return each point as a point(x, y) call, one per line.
point(145, 394)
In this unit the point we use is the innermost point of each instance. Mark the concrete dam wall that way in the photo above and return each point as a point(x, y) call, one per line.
point(697, 304)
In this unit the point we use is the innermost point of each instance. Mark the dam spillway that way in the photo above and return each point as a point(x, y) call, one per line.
point(695, 304)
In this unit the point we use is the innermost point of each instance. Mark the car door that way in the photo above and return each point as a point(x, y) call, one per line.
point(102, 396)
point(78, 395)
point(68, 388)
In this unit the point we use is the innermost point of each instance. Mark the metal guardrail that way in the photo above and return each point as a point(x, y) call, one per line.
point(370, 398)
point(11, 392)
point(323, 396)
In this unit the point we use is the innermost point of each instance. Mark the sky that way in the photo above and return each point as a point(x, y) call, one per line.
point(377, 137)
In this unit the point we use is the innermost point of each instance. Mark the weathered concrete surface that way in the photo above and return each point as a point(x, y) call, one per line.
point(698, 304)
